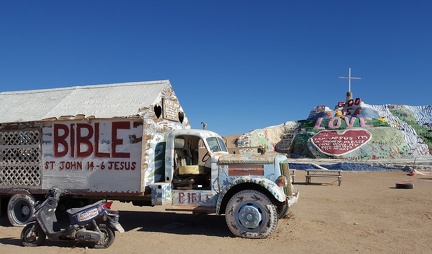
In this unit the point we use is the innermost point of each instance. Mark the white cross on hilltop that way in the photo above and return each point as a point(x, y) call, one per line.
point(349, 79)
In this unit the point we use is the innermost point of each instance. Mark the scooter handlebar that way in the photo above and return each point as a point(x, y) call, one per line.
point(56, 193)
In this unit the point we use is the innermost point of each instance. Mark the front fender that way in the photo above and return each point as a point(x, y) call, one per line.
point(274, 190)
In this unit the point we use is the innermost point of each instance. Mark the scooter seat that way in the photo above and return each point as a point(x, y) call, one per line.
point(72, 211)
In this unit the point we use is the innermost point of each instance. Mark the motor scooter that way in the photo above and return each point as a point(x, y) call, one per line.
point(93, 224)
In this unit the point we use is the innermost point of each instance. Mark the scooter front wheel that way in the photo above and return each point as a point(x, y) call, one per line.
point(32, 235)
point(108, 238)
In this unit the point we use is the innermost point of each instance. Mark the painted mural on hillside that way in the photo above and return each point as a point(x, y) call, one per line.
point(353, 130)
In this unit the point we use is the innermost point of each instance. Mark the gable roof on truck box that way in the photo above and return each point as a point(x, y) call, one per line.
point(99, 101)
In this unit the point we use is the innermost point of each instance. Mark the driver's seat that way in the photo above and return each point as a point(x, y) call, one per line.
point(182, 182)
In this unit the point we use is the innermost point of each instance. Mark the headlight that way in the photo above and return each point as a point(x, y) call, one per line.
point(281, 181)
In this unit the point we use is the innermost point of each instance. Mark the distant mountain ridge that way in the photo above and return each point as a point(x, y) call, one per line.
point(353, 130)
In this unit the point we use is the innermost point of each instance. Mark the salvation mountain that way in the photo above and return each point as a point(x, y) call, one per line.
point(353, 130)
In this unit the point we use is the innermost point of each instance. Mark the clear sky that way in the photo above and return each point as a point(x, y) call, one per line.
point(236, 65)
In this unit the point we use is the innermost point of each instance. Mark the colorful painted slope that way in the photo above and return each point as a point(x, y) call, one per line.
point(358, 132)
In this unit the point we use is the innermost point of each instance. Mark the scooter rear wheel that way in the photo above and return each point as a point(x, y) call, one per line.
point(32, 235)
point(108, 237)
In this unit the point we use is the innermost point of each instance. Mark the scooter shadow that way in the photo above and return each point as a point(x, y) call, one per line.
point(175, 223)
point(47, 243)
point(10, 241)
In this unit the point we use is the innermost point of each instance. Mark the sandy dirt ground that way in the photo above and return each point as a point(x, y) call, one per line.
point(366, 214)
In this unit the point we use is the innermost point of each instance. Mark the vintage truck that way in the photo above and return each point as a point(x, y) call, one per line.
point(132, 142)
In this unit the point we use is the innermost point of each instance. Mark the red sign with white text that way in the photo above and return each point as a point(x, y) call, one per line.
point(334, 142)
point(98, 155)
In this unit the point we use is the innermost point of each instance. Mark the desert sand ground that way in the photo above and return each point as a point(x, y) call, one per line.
point(366, 214)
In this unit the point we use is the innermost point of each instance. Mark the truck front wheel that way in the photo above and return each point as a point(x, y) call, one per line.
point(20, 209)
point(251, 214)
point(283, 210)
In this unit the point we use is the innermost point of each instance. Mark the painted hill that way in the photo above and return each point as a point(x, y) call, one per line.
point(354, 130)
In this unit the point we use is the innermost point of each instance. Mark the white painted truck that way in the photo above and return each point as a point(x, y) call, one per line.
point(149, 158)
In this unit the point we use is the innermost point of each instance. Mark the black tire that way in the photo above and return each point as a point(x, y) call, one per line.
point(404, 186)
point(20, 209)
point(282, 210)
point(32, 235)
point(107, 240)
point(251, 214)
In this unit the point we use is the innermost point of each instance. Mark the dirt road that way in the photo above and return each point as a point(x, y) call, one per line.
point(366, 214)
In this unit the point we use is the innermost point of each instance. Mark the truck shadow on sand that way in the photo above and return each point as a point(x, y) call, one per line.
point(144, 221)
point(175, 223)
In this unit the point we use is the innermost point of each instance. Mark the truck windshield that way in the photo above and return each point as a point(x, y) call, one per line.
point(216, 144)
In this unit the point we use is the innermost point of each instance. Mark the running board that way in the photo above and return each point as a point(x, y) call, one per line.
point(194, 209)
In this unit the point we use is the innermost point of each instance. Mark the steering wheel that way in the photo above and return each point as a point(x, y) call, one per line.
point(206, 157)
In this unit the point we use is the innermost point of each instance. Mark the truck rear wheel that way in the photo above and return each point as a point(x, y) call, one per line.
point(251, 214)
point(20, 209)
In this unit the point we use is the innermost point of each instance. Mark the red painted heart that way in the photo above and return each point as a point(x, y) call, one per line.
point(339, 143)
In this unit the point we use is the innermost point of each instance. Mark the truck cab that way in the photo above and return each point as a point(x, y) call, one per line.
point(193, 154)
point(253, 191)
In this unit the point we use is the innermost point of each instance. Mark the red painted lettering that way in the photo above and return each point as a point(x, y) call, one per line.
point(121, 165)
point(70, 165)
point(181, 197)
point(84, 140)
point(115, 141)
point(72, 140)
point(357, 101)
point(90, 165)
point(60, 140)
point(49, 164)
point(194, 198)
point(96, 141)
point(81, 140)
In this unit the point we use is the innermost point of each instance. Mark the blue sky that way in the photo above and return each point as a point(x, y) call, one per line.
point(236, 65)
